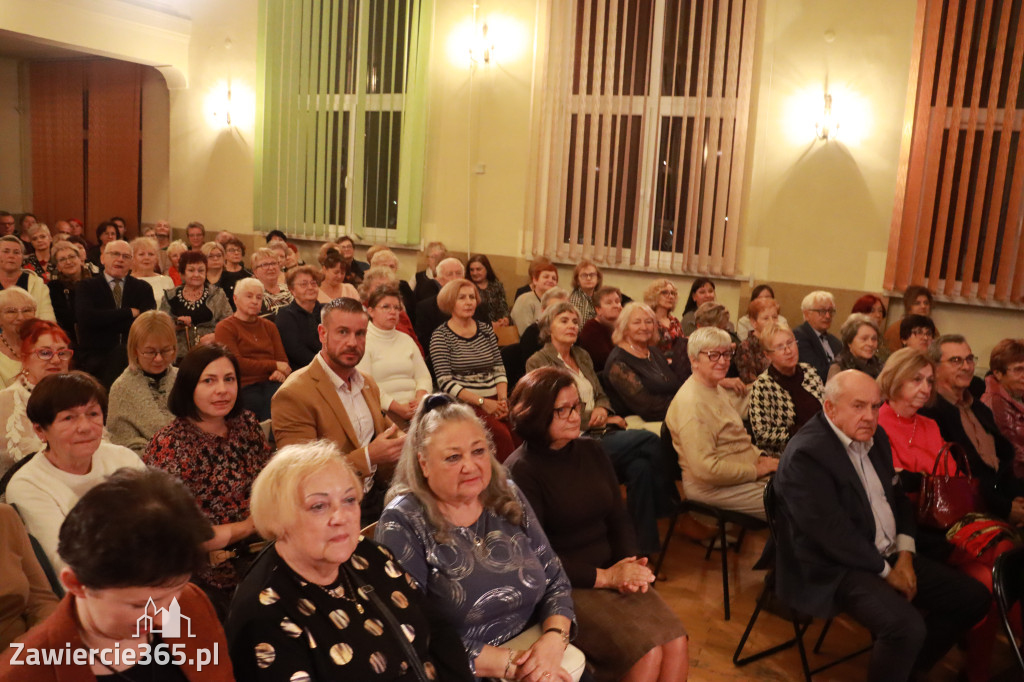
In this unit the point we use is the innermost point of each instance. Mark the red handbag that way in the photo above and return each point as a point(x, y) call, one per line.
point(945, 498)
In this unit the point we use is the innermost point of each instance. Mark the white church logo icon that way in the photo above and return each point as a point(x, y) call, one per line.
point(170, 626)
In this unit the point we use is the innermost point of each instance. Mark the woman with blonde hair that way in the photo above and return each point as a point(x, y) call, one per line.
point(70, 271)
point(174, 251)
point(138, 398)
point(325, 578)
point(145, 259)
point(662, 297)
point(38, 258)
point(640, 379)
point(452, 503)
point(16, 306)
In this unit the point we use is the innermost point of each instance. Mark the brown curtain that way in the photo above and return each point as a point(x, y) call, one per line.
point(86, 132)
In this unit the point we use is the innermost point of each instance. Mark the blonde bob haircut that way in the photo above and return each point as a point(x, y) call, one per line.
point(707, 338)
point(152, 324)
point(710, 314)
point(655, 288)
point(274, 502)
point(767, 334)
point(434, 412)
point(263, 254)
point(450, 293)
point(633, 308)
point(901, 367)
point(211, 246)
point(145, 242)
point(177, 246)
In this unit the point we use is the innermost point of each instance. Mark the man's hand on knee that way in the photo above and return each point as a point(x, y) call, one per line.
point(902, 576)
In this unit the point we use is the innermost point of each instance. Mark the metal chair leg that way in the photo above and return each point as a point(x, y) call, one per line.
point(821, 637)
point(668, 538)
point(725, 568)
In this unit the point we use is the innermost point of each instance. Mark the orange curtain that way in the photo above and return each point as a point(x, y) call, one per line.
point(58, 172)
point(86, 131)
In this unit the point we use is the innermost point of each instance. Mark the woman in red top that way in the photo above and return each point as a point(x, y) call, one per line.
point(906, 384)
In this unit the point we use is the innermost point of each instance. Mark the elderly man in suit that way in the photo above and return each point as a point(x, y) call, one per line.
point(846, 543)
point(330, 398)
point(817, 347)
point(105, 308)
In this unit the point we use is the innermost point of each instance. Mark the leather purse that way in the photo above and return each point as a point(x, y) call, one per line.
point(947, 497)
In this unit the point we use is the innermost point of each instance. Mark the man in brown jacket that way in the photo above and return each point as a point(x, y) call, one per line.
point(331, 399)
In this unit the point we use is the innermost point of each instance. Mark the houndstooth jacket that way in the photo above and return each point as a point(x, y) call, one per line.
point(771, 409)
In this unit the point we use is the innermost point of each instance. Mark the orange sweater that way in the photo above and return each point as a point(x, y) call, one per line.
point(256, 344)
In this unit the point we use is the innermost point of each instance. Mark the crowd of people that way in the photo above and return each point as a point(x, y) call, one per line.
point(331, 472)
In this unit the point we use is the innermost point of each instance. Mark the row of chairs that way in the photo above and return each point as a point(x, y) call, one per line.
point(1007, 578)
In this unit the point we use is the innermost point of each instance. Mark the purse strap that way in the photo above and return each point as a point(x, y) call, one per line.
point(959, 457)
point(410, 652)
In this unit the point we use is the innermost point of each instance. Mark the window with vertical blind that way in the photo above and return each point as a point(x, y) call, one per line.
point(640, 133)
point(957, 219)
point(341, 126)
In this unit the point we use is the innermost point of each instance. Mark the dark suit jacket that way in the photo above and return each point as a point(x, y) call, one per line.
point(811, 351)
point(824, 525)
point(998, 488)
point(101, 326)
point(426, 287)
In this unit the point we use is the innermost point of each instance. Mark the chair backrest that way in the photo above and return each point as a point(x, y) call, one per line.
point(770, 507)
point(9, 474)
point(1008, 588)
point(370, 531)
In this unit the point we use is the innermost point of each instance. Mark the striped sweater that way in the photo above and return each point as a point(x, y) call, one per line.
point(473, 363)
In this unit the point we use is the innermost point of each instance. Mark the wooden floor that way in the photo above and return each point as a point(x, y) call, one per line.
point(693, 588)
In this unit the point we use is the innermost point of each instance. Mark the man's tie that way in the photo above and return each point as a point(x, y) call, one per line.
point(828, 346)
point(118, 290)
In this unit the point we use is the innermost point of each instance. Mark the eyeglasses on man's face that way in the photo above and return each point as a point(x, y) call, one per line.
point(824, 312)
point(960, 361)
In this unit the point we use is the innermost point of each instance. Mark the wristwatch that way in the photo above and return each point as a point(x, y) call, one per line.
point(479, 402)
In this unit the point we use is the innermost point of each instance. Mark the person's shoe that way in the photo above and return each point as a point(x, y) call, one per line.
point(691, 528)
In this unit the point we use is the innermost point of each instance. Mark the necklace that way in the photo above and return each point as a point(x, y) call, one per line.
point(10, 350)
point(913, 420)
point(191, 305)
point(637, 352)
point(343, 591)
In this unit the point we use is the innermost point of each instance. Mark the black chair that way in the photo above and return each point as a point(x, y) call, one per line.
point(801, 622)
point(1008, 588)
point(9, 474)
point(721, 516)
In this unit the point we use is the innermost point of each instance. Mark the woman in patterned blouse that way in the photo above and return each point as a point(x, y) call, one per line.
point(216, 448)
point(492, 291)
point(471, 542)
point(37, 258)
point(327, 603)
point(197, 306)
point(586, 280)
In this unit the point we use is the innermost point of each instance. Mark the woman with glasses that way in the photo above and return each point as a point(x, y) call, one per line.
point(860, 345)
point(662, 297)
point(393, 359)
point(627, 631)
point(784, 396)
point(917, 332)
point(196, 306)
point(45, 350)
point(266, 267)
point(138, 398)
point(70, 271)
point(721, 466)
point(216, 448)
point(640, 380)
point(586, 280)
point(16, 306)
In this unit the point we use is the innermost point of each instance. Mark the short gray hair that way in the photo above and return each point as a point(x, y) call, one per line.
point(444, 264)
point(549, 315)
point(377, 276)
point(11, 294)
point(816, 296)
point(247, 283)
point(848, 332)
point(434, 412)
point(705, 339)
point(553, 292)
point(935, 350)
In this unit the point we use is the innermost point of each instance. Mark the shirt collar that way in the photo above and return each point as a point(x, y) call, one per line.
point(111, 280)
point(849, 443)
point(964, 400)
point(355, 383)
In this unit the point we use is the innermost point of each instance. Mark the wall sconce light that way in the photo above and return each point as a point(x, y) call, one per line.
point(481, 49)
point(827, 127)
point(231, 105)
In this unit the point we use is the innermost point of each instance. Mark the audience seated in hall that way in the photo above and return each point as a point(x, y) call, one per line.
point(382, 276)
point(355, 268)
point(701, 291)
point(105, 307)
point(330, 398)
point(529, 338)
point(745, 325)
point(174, 251)
point(596, 335)
point(16, 307)
point(917, 332)
point(917, 300)
point(428, 315)
point(426, 279)
point(334, 285)
point(817, 347)
point(383, 257)
point(70, 272)
point(1004, 395)
point(859, 335)
point(12, 274)
point(106, 232)
point(639, 380)
point(266, 267)
point(750, 359)
point(216, 272)
point(721, 466)
point(234, 266)
point(144, 263)
point(196, 306)
point(661, 295)
point(587, 278)
point(37, 252)
point(493, 303)
point(535, 265)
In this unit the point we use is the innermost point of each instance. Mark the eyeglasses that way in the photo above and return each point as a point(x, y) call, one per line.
point(568, 410)
point(824, 311)
point(117, 254)
point(716, 355)
point(783, 347)
point(922, 331)
point(587, 275)
point(151, 353)
point(268, 264)
point(958, 361)
point(18, 311)
point(668, 292)
point(46, 354)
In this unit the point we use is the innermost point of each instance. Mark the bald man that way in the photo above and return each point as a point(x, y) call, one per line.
point(105, 307)
point(428, 316)
point(846, 538)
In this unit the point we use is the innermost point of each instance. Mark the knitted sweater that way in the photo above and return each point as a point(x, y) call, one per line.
point(394, 361)
point(137, 409)
point(256, 344)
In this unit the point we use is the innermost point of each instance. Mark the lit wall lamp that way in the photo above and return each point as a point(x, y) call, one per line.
point(827, 127)
point(231, 105)
point(482, 47)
